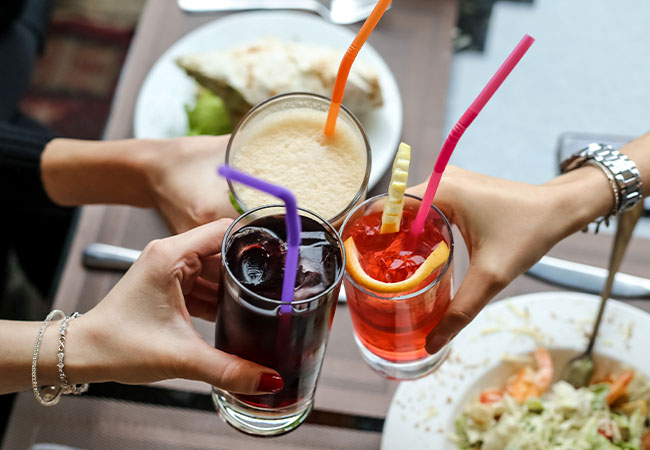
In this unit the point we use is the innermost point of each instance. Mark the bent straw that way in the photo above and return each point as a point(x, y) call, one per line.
point(291, 218)
point(348, 59)
point(465, 121)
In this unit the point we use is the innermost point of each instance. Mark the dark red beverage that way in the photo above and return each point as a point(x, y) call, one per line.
point(253, 323)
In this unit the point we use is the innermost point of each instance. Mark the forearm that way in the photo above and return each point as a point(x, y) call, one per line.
point(76, 172)
point(84, 360)
point(17, 340)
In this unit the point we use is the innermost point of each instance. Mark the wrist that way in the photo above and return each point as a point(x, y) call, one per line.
point(580, 197)
point(85, 359)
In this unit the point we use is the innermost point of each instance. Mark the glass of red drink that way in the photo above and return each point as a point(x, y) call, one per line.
point(254, 324)
point(391, 328)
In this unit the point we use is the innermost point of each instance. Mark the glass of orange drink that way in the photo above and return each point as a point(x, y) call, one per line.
point(398, 286)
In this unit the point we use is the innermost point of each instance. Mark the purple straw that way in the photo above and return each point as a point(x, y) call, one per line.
point(291, 218)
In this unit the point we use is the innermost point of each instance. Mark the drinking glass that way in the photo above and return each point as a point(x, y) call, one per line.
point(317, 189)
point(391, 328)
point(290, 338)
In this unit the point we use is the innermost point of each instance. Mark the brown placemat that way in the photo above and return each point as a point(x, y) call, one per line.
point(103, 424)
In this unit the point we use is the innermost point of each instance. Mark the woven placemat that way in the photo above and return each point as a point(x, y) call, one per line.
point(98, 423)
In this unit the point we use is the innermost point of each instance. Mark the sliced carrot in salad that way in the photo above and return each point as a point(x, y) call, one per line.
point(645, 441)
point(619, 386)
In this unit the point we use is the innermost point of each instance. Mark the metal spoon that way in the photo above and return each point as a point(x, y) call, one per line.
point(579, 370)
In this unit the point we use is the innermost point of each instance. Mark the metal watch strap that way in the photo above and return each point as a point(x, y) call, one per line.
point(617, 167)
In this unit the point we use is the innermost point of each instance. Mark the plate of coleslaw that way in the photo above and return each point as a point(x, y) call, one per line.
point(500, 386)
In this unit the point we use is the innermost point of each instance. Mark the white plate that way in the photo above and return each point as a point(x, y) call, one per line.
point(159, 109)
point(422, 413)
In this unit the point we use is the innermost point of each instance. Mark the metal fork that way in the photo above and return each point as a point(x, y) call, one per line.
point(341, 12)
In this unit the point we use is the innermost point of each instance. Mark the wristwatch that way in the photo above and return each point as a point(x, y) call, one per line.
point(621, 171)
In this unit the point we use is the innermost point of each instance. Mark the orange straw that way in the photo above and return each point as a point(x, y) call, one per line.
point(348, 59)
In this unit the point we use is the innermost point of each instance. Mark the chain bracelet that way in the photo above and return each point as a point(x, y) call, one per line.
point(66, 387)
point(51, 394)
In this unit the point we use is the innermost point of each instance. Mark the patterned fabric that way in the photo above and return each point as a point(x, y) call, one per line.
point(73, 82)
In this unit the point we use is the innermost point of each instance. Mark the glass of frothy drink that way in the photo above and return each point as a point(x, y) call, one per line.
point(281, 140)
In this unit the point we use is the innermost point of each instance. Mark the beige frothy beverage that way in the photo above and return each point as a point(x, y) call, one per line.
point(288, 147)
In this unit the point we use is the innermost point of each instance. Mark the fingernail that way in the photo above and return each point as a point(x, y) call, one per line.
point(270, 382)
point(434, 344)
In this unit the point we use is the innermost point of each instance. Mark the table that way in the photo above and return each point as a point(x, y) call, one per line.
point(351, 401)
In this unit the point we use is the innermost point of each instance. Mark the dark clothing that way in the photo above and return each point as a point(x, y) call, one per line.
point(10, 10)
point(22, 33)
point(21, 144)
point(32, 225)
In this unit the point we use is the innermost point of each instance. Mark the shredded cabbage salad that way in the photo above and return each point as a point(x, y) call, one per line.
point(610, 414)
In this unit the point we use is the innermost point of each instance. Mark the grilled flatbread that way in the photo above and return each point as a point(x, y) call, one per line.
point(244, 76)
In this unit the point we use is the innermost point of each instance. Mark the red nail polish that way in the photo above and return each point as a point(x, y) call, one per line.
point(270, 382)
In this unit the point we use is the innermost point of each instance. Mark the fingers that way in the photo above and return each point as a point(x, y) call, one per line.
point(204, 240)
point(477, 289)
point(234, 374)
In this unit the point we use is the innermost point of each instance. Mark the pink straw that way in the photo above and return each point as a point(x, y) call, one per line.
point(457, 131)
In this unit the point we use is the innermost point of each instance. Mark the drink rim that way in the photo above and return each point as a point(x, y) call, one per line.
point(419, 291)
point(328, 227)
point(366, 178)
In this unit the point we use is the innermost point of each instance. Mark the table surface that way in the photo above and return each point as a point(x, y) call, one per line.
point(351, 400)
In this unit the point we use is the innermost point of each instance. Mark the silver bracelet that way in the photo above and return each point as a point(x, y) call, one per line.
point(622, 173)
point(51, 394)
point(66, 387)
point(617, 196)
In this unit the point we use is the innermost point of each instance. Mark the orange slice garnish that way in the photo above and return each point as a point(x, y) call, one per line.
point(437, 257)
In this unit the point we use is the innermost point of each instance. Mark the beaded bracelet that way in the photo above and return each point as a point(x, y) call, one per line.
point(66, 387)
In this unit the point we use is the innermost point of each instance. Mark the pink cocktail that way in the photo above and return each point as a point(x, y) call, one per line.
point(391, 328)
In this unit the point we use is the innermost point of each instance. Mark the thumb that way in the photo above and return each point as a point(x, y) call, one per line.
point(234, 374)
point(476, 290)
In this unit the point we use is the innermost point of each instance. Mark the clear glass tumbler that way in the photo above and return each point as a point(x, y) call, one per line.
point(290, 338)
point(281, 140)
point(391, 328)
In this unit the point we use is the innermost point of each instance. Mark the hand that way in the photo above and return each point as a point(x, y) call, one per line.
point(507, 227)
point(185, 186)
point(141, 331)
point(176, 176)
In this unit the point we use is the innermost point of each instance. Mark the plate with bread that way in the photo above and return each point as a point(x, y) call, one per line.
point(206, 81)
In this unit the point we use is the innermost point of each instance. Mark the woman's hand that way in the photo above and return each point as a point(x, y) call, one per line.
point(176, 176)
point(507, 227)
point(141, 331)
point(184, 183)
